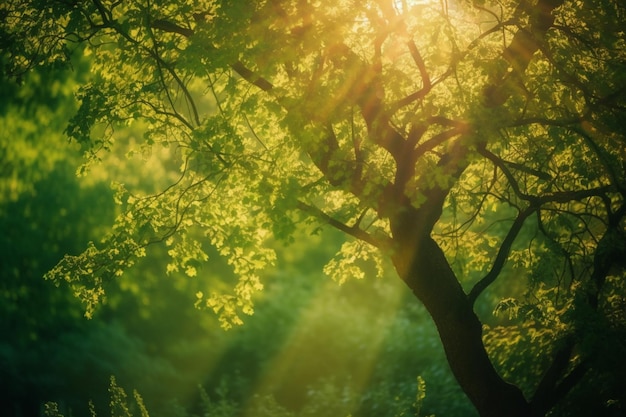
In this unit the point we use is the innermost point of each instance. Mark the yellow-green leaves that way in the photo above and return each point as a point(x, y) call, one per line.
point(285, 115)
point(351, 262)
point(229, 307)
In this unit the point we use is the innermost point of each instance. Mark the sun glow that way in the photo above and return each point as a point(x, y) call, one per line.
point(406, 5)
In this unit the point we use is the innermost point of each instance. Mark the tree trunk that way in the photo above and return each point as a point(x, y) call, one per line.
point(426, 271)
point(422, 265)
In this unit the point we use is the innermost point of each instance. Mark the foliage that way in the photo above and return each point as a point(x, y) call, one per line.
point(478, 146)
point(150, 336)
point(270, 365)
point(266, 406)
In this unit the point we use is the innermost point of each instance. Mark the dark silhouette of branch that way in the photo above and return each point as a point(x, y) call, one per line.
point(421, 93)
point(501, 257)
point(353, 231)
point(251, 77)
point(438, 139)
point(421, 66)
point(546, 122)
point(617, 180)
point(541, 400)
point(550, 391)
point(498, 162)
point(104, 13)
point(554, 197)
point(520, 51)
point(167, 26)
point(243, 71)
point(525, 168)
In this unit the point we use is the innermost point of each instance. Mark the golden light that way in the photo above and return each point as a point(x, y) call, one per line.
point(404, 6)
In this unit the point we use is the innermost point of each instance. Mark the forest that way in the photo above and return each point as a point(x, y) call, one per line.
point(298, 208)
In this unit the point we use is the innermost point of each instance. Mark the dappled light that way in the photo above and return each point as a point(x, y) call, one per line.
point(307, 208)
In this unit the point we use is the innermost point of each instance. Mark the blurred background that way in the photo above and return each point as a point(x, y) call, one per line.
point(312, 348)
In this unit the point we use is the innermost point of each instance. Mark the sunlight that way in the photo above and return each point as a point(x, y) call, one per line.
point(306, 368)
point(404, 6)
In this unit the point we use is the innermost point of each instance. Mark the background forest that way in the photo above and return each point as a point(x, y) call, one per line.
point(313, 347)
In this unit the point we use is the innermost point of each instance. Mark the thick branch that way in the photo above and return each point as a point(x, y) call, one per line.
point(438, 139)
point(322, 153)
point(546, 122)
point(544, 401)
point(395, 196)
point(545, 395)
point(167, 26)
point(574, 195)
point(251, 77)
point(611, 250)
point(419, 61)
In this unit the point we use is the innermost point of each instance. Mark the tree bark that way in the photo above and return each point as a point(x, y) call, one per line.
point(424, 268)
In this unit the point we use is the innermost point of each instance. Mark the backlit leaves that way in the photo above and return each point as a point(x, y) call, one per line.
point(350, 262)
point(283, 114)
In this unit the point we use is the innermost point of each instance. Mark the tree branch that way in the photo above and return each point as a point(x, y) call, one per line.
point(542, 401)
point(353, 231)
point(251, 77)
point(554, 197)
point(601, 154)
point(104, 13)
point(243, 71)
point(419, 61)
point(520, 51)
point(438, 139)
point(545, 401)
point(610, 251)
point(167, 26)
point(501, 257)
point(523, 168)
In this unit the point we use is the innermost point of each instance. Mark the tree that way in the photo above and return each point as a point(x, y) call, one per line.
point(451, 138)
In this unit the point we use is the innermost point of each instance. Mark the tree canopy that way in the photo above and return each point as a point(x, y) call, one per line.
point(479, 146)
